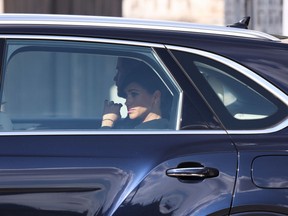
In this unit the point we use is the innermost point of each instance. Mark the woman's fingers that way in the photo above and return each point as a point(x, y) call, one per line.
point(112, 104)
point(111, 113)
point(111, 107)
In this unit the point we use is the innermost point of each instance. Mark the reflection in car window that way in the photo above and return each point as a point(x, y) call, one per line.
point(51, 85)
point(239, 102)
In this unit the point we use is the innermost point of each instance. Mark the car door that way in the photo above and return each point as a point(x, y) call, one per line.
point(254, 112)
point(56, 159)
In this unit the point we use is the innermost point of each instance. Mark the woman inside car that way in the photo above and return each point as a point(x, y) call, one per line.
point(144, 93)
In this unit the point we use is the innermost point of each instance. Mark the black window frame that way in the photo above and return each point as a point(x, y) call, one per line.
point(195, 113)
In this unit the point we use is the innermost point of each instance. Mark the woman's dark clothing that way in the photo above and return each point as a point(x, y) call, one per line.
point(154, 124)
point(126, 123)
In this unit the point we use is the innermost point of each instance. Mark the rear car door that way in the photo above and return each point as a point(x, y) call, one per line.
point(56, 158)
point(254, 113)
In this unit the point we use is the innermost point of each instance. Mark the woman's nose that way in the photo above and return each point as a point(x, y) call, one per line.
point(128, 101)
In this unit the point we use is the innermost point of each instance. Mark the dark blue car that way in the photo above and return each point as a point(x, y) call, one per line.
point(216, 145)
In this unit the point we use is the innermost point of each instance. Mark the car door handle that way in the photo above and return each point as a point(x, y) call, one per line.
point(190, 172)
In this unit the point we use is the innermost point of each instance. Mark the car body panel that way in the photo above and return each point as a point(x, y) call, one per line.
point(125, 172)
point(270, 177)
point(249, 192)
point(85, 168)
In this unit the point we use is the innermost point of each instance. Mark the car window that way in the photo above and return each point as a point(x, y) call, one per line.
point(239, 102)
point(49, 85)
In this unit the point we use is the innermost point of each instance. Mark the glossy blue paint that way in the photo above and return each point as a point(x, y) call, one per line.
point(270, 171)
point(116, 175)
point(125, 174)
point(269, 149)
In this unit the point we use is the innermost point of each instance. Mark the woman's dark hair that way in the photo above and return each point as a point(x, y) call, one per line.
point(146, 77)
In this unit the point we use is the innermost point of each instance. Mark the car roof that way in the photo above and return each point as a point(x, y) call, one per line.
point(120, 22)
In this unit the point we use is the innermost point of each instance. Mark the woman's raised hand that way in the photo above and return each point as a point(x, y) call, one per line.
point(111, 113)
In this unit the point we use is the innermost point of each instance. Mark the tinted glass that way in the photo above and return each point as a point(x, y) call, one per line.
point(63, 85)
point(239, 102)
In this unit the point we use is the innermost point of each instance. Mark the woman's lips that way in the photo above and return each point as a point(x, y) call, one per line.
point(130, 110)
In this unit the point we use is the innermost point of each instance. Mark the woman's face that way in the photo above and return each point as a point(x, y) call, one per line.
point(139, 101)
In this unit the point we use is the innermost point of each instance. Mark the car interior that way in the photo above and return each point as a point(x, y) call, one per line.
point(71, 83)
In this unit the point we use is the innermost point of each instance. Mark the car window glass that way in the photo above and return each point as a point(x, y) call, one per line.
point(239, 102)
point(49, 85)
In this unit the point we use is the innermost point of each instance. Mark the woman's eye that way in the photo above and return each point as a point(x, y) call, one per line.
point(134, 94)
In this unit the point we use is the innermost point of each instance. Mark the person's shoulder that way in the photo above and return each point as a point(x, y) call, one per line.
point(154, 124)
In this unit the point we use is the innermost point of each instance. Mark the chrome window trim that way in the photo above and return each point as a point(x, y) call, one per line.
point(96, 21)
point(251, 75)
point(179, 89)
point(274, 129)
point(278, 127)
point(81, 39)
point(179, 111)
point(109, 132)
